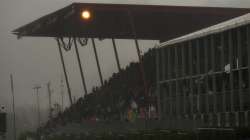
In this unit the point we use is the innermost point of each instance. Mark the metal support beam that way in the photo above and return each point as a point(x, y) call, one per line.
point(141, 67)
point(80, 67)
point(158, 85)
point(191, 95)
point(206, 71)
point(248, 55)
point(230, 39)
point(169, 91)
point(240, 93)
point(133, 27)
point(163, 77)
point(116, 55)
point(177, 92)
point(65, 73)
point(183, 71)
point(223, 65)
point(97, 61)
point(213, 49)
point(198, 70)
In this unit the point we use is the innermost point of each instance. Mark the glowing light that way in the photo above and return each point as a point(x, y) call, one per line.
point(86, 14)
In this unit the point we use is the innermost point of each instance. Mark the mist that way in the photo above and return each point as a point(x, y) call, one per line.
point(35, 61)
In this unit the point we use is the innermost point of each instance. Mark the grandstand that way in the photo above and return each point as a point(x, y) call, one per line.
point(196, 80)
point(206, 75)
point(195, 83)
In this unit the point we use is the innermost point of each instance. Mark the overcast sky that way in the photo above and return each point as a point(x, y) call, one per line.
point(36, 60)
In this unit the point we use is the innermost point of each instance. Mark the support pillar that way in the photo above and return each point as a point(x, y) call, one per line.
point(183, 71)
point(80, 67)
point(158, 86)
point(231, 73)
point(162, 71)
point(133, 28)
point(177, 91)
point(240, 92)
point(213, 75)
point(97, 61)
point(191, 95)
point(206, 79)
point(116, 55)
point(223, 64)
point(65, 73)
point(248, 46)
point(197, 47)
point(141, 67)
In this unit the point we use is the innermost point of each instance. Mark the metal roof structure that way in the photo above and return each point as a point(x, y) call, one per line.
point(224, 26)
point(74, 24)
point(149, 22)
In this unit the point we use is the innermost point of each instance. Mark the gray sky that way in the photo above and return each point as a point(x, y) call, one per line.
point(36, 60)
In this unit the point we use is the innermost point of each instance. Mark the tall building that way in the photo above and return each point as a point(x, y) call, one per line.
point(205, 75)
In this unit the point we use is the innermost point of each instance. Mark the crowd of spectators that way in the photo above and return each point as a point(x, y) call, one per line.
point(122, 97)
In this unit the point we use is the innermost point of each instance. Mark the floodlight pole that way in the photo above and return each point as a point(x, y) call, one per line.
point(97, 61)
point(65, 73)
point(50, 101)
point(116, 55)
point(13, 106)
point(80, 66)
point(36, 89)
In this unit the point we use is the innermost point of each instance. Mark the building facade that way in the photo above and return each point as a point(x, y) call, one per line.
point(205, 75)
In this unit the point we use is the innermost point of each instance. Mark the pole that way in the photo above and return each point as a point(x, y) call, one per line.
point(65, 73)
point(97, 61)
point(116, 55)
point(13, 107)
point(36, 88)
point(80, 66)
point(38, 108)
point(49, 92)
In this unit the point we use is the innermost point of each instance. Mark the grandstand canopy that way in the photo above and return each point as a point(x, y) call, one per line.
point(149, 22)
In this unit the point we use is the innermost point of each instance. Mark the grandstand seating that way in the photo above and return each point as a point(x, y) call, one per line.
point(113, 100)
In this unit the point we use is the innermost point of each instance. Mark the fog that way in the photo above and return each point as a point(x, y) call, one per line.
point(35, 61)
